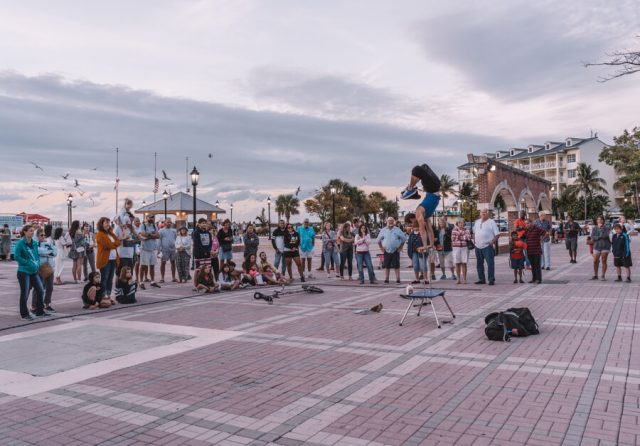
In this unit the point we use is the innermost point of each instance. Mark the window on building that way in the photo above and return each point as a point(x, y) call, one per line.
point(571, 173)
point(571, 158)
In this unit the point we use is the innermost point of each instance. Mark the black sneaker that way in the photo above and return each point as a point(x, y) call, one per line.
point(50, 309)
point(480, 282)
point(155, 285)
point(43, 314)
point(302, 279)
point(142, 287)
point(27, 318)
point(628, 279)
point(619, 279)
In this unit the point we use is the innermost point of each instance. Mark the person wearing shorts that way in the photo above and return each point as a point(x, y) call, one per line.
point(391, 240)
point(428, 205)
point(292, 252)
point(149, 250)
point(307, 242)
point(621, 250)
point(460, 238)
point(600, 237)
point(572, 229)
point(444, 247)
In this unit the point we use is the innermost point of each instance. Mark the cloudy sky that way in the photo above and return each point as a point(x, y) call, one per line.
point(291, 93)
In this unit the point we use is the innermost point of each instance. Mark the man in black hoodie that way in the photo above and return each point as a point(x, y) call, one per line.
point(277, 240)
point(201, 243)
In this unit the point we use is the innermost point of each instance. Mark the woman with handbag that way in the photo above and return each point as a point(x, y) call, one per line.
point(47, 253)
point(90, 253)
point(26, 254)
point(461, 243)
point(76, 253)
point(107, 258)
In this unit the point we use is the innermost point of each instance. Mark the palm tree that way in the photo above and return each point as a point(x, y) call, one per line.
point(287, 205)
point(447, 186)
point(586, 183)
point(468, 195)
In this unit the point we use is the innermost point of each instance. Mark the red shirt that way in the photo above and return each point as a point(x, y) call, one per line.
point(517, 249)
point(522, 224)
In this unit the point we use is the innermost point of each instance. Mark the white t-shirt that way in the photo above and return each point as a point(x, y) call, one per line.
point(484, 232)
point(124, 252)
point(112, 254)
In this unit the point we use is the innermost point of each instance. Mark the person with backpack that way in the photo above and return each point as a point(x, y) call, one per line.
point(620, 248)
point(516, 256)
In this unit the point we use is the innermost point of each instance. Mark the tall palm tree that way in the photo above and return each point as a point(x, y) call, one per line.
point(587, 182)
point(469, 195)
point(447, 187)
point(287, 205)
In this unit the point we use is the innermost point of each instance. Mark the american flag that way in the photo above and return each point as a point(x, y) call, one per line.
point(156, 186)
point(115, 187)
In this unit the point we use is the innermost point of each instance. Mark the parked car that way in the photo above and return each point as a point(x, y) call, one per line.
point(636, 225)
point(503, 224)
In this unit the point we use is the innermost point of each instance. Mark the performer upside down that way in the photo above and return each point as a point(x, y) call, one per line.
point(426, 208)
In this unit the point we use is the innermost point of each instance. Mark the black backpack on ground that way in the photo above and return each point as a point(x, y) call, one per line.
point(513, 322)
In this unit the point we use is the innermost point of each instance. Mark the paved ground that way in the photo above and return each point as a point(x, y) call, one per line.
point(226, 369)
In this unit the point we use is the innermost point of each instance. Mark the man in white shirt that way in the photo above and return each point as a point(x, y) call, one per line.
point(486, 234)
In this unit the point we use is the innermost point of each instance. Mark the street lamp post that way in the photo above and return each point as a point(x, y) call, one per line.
point(69, 211)
point(333, 207)
point(269, 216)
point(165, 195)
point(231, 207)
point(195, 175)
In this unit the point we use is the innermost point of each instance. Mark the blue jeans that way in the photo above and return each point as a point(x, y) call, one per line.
point(546, 254)
point(27, 281)
point(279, 259)
point(328, 254)
point(364, 258)
point(106, 277)
point(487, 254)
point(419, 263)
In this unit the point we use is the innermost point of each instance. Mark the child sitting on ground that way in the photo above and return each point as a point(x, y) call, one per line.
point(93, 294)
point(621, 249)
point(205, 282)
point(226, 280)
point(516, 256)
point(126, 286)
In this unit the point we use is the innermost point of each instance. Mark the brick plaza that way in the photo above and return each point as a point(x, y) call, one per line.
point(225, 369)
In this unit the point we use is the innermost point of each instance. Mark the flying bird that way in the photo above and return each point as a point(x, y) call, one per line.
point(43, 188)
point(65, 176)
point(36, 166)
point(298, 191)
point(164, 176)
point(77, 184)
point(210, 156)
point(95, 168)
point(364, 178)
point(81, 192)
point(40, 196)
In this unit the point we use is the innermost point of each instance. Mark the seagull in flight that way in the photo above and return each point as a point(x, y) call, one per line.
point(164, 176)
point(298, 191)
point(210, 156)
point(43, 188)
point(77, 184)
point(36, 166)
point(95, 168)
point(364, 178)
point(65, 176)
point(40, 196)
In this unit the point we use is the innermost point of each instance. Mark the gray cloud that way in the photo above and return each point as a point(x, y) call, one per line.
point(525, 49)
point(327, 95)
point(64, 125)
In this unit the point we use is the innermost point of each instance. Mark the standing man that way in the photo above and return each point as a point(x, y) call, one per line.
point(545, 225)
point(277, 240)
point(149, 250)
point(47, 251)
point(202, 244)
point(307, 242)
point(534, 236)
point(572, 229)
point(486, 234)
point(391, 240)
point(251, 241)
point(168, 249)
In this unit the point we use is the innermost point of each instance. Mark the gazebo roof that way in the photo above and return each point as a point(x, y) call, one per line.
point(180, 202)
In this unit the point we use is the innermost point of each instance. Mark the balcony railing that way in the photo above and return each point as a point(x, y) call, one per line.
point(546, 165)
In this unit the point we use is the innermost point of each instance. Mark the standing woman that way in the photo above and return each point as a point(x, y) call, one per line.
point(346, 249)
point(329, 249)
point(215, 249)
point(291, 251)
point(26, 254)
point(600, 236)
point(59, 242)
point(183, 247)
point(460, 238)
point(48, 253)
point(6, 242)
point(363, 256)
point(76, 253)
point(90, 253)
point(107, 256)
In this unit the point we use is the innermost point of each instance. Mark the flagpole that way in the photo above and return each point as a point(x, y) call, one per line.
point(186, 175)
point(117, 177)
point(155, 174)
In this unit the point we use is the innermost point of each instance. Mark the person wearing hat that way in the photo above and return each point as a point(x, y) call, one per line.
point(307, 242)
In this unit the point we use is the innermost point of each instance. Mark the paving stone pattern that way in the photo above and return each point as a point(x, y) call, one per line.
point(308, 370)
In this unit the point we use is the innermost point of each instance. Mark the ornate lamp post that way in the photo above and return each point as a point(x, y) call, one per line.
point(165, 195)
point(269, 216)
point(333, 207)
point(195, 175)
point(69, 211)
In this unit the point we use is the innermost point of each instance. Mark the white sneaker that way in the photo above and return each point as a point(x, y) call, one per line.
point(328, 276)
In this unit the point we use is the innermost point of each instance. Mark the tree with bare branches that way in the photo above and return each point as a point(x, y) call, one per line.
point(625, 61)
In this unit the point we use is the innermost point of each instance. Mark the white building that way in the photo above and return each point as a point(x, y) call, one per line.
point(556, 162)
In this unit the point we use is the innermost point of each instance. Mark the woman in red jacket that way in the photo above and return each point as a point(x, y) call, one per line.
point(107, 255)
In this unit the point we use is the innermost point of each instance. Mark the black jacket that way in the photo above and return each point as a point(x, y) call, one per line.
point(201, 243)
point(446, 245)
point(225, 245)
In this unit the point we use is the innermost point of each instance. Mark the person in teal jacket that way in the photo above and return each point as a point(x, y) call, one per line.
point(26, 255)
